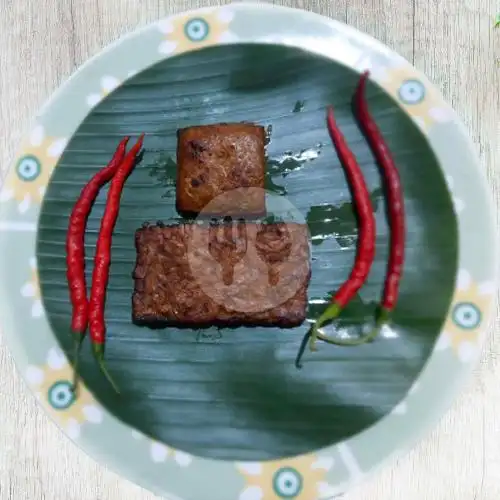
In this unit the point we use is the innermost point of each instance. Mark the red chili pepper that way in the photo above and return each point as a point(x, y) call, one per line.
point(75, 247)
point(102, 259)
point(395, 202)
point(366, 243)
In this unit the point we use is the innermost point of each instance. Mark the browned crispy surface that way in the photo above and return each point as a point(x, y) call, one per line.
point(230, 275)
point(214, 159)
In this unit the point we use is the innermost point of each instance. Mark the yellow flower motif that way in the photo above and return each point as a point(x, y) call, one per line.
point(301, 478)
point(27, 182)
point(187, 32)
point(463, 327)
point(53, 387)
point(419, 98)
point(108, 84)
point(31, 289)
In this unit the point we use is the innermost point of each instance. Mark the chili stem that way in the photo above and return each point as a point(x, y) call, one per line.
point(302, 349)
point(382, 319)
point(329, 314)
point(99, 356)
point(76, 361)
point(365, 339)
point(105, 372)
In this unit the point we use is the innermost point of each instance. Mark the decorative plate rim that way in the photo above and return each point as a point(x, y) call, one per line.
point(336, 468)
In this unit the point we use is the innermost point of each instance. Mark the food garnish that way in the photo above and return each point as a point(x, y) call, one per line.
point(75, 249)
point(102, 259)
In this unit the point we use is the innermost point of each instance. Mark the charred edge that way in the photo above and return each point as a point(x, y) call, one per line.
point(156, 323)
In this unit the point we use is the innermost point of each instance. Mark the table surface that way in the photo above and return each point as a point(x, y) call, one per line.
point(453, 41)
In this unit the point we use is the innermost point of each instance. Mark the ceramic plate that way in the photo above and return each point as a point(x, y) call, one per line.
point(218, 415)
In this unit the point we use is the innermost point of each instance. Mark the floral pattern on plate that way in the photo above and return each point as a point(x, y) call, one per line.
point(160, 453)
point(402, 407)
point(27, 181)
point(31, 290)
point(284, 479)
point(464, 326)
point(458, 203)
point(184, 33)
point(108, 84)
point(418, 97)
point(52, 384)
point(26, 184)
point(338, 45)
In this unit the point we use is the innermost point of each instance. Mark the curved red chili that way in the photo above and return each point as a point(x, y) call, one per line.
point(75, 246)
point(365, 252)
point(395, 202)
point(102, 259)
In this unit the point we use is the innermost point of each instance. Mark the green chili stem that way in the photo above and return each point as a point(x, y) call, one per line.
point(76, 361)
point(99, 356)
point(302, 348)
point(331, 312)
point(382, 319)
